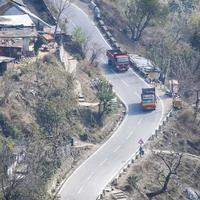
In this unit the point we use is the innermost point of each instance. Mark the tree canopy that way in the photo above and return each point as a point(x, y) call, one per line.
point(138, 14)
point(105, 96)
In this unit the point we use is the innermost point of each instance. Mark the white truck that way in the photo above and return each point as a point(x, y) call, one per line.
point(145, 67)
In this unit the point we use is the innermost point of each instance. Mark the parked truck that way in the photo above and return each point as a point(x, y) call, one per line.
point(173, 88)
point(173, 91)
point(148, 99)
point(118, 59)
point(145, 67)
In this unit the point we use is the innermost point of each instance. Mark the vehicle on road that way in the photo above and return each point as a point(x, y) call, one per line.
point(173, 91)
point(148, 98)
point(145, 67)
point(177, 103)
point(173, 88)
point(118, 60)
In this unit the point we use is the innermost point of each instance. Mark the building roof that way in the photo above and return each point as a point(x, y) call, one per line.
point(48, 37)
point(11, 43)
point(25, 10)
point(19, 2)
point(4, 59)
point(19, 33)
point(3, 2)
point(16, 21)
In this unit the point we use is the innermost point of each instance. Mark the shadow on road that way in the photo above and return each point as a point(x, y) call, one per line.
point(136, 109)
point(109, 70)
point(163, 97)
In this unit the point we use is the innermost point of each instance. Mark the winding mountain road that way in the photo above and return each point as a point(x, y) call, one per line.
point(87, 181)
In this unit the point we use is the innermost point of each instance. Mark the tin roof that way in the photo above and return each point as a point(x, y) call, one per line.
point(21, 33)
point(48, 37)
point(4, 59)
point(19, 2)
point(11, 43)
point(16, 21)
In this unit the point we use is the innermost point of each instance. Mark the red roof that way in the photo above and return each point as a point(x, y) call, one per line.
point(48, 37)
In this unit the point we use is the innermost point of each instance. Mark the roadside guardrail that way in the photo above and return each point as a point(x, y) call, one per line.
point(157, 131)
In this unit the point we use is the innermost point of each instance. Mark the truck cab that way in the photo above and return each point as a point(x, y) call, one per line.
point(118, 59)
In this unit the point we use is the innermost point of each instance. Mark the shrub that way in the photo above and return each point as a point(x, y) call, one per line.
point(15, 77)
point(7, 128)
point(83, 136)
point(132, 181)
point(187, 116)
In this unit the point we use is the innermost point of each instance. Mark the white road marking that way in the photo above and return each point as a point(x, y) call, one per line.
point(101, 147)
point(139, 122)
point(129, 135)
point(124, 82)
point(137, 95)
point(102, 162)
point(117, 149)
point(89, 177)
point(112, 70)
point(79, 191)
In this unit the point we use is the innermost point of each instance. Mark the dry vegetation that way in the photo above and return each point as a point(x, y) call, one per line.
point(180, 137)
point(39, 115)
point(171, 41)
point(173, 44)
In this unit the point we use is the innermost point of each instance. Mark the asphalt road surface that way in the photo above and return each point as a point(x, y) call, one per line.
point(87, 182)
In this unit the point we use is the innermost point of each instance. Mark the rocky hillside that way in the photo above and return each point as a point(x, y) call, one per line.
point(173, 153)
point(42, 126)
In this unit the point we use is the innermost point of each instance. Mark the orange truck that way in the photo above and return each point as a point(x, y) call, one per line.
point(148, 99)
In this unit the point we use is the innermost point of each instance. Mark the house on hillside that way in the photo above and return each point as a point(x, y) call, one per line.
point(2, 3)
point(17, 34)
point(19, 31)
point(17, 7)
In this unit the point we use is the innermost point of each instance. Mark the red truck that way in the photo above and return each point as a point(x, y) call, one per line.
point(118, 59)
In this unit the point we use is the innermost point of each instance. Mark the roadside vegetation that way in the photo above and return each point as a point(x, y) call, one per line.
point(166, 32)
point(45, 131)
point(40, 118)
point(170, 166)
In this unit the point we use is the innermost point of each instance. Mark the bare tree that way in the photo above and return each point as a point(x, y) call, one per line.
point(96, 51)
point(9, 175)
point(172, 163)
point(138, 14)
point(60, 8)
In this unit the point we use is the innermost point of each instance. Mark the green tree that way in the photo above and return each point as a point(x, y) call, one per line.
point(195, 27)
point(9, 182)
point(138, 14)
point(49, 117)
point(80, 39)
point(7, 127)
point(57, 98)
point(105, 96)
point(132, 181)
